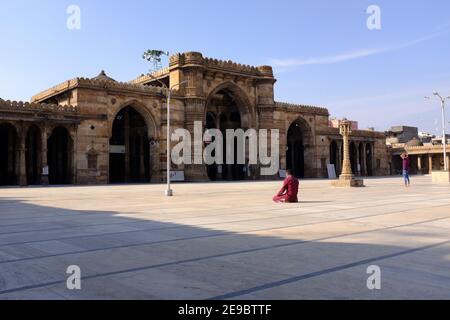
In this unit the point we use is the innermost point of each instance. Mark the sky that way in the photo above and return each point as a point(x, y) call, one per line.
point(322, 52)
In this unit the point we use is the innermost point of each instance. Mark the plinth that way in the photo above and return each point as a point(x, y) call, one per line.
point(348, 181)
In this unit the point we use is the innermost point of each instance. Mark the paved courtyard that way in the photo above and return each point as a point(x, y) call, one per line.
point(226, 241)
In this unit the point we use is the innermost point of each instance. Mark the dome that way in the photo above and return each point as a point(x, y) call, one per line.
point(103, 77)
point(414, 143)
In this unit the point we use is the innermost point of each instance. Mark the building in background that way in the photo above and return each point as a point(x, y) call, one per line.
point(98, 130)
point(425, 137)
point(335, 123)
point(425, 150)
point(402, 134)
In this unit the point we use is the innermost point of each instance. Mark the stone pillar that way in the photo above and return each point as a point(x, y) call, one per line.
point(44, 160)
point(142, 159)
point(419, 164)
point(127, 147)
point(13, 155)
point(347, 178)
point(346, 164)
point(358, 161)
point(22, 158)
point(339, 158)
point(72, 154)
point(364, 157)
point(430, 163)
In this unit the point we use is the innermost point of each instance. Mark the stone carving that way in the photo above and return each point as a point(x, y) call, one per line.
point(304, 108)
point(347, 179)
point(17, 105)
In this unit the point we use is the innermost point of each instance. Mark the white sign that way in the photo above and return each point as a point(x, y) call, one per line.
point(45, 171)
point(177, 176)
point(282, 174)
point(331, 171)
point(117, 149)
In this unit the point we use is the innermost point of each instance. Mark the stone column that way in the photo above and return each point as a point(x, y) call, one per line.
point(142, 159)
point(358, 161)
point(364, 165)
point(127, 147)
point(12, 156)
point(339, 158)
point(347, 178)
point(44, 160)
point(430, 163)
point(72, 156)
point(346, 164)
point(22, 158)
point(419, 164)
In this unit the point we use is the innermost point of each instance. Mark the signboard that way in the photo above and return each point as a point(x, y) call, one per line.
point(45, 171)
point(331, 171)
point(282, 173)
point(117, 149)
point(177, 176)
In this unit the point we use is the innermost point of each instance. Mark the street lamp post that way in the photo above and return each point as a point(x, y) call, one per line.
point(154, 56)
point(444, 137)
point(169, 191)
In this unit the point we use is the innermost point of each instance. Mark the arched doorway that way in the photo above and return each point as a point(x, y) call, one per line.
point(354, 157)
point(129, 159)
point(8, 155)
point(369, 159)
point(59, 156)
point(33, 158)
point(232, 115)
point(298, 157)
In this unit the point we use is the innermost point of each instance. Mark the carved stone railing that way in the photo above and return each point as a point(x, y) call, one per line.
point(27, 106)
point(91, 83)
point(118, 85)
point(222, 64)
point(305, 108)
point(145, 78)
point(196, 58)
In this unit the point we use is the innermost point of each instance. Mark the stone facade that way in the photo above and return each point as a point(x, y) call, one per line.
point(87, 131)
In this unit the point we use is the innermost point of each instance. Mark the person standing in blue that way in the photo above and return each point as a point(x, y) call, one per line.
point(406, 163)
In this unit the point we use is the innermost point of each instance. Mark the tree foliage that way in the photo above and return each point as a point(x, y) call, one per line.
point(154, 57)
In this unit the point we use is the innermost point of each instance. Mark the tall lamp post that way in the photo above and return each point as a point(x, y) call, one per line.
point(169, 191)
point(444, 137)
point(154, 56)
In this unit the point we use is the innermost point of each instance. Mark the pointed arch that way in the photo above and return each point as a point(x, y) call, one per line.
point(142, 109)
point(246, 108)
point(299, 148)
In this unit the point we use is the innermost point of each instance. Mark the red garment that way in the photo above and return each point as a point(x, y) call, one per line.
point(406, 163)
point(289, 192)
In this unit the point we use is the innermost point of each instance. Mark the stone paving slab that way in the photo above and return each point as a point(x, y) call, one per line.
point(226, 241)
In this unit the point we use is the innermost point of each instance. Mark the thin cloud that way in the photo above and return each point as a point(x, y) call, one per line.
point(348, 56)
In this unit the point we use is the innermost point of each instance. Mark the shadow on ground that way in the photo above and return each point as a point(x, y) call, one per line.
point(130, 258)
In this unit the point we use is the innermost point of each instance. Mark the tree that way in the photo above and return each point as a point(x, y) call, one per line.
point(154, 57)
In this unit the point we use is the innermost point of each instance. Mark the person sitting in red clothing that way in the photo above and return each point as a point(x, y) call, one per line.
point(289, 192)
